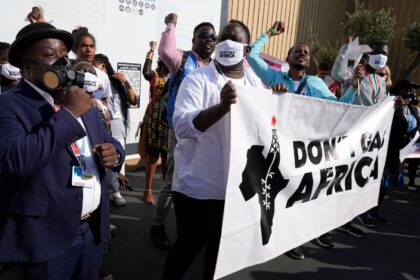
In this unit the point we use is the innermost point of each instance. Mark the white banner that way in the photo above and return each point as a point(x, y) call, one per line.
point(299, 167)
point(411, 150)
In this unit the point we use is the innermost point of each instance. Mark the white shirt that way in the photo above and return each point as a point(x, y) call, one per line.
point(202, 158)
point(91, 196)
point(296, 85)
point(104, 85)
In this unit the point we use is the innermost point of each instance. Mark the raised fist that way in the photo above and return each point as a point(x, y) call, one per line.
point(171, 18)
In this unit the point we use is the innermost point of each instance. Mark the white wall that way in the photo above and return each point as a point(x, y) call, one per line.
point(122, 35)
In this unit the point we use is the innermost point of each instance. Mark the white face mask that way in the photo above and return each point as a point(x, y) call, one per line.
point(91, 83)
point(10, 72)
point(229, 52)
point(377, 61)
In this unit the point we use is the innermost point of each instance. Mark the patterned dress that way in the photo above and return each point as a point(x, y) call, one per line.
point(156, 126)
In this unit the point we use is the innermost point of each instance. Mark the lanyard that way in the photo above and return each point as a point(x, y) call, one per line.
point(79, 156)
point(376, 88)
point(301, 85)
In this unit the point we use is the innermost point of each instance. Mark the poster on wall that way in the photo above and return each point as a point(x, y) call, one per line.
point(132, 72)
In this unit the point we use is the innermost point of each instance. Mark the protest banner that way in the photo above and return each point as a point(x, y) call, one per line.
point(299, 167)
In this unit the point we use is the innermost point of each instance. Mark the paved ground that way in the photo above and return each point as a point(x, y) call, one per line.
point(387, 251)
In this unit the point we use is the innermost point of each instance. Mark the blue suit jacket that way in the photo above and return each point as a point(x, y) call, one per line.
point(39, 208)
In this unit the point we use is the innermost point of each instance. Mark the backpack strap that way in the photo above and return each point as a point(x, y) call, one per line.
point(185, 56)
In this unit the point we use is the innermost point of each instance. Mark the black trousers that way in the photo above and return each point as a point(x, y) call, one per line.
point(81, 261)
point(413, 163)
point(199, 226)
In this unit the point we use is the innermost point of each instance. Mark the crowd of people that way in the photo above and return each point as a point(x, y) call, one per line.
point(62, 138)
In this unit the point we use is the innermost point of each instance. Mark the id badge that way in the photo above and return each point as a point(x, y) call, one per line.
point(79, 178)
point(117, 115)
point(87, 174)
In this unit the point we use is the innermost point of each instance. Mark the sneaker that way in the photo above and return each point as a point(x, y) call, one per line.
point(376, 217)
point(412, 188)
point(117, 198)
point(296, 254)
point(325, 241)
point(352, 230)
point(159, 236)
point(365, 220)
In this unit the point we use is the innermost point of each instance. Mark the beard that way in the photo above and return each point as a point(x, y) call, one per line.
point(298, 66)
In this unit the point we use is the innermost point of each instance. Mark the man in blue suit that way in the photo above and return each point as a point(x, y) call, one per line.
point(53, 154)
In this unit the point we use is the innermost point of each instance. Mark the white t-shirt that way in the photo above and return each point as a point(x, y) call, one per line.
point(202, 158)
point(104, 85)
point(296, 85)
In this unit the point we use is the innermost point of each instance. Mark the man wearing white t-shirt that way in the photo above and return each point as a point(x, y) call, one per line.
point(202, 125)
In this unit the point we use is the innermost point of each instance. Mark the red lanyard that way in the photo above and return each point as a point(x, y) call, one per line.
point(74, 148)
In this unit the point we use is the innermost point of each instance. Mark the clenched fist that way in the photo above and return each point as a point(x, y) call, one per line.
point(171, 18)
point(77, 101)
point(227, 96)
point(107, 154)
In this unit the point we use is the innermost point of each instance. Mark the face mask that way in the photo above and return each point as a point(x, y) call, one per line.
point(229, 53)
point(377, 61)
point(10, 72)
point(90, 84)
point(59, 75)
point(99, 93)
point(411, 96)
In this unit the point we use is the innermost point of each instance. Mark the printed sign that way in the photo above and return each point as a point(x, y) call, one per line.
point(132, 72)
point(299, 167)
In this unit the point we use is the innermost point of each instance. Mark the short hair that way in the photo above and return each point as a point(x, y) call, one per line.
point(290, 50)
point(244, 27)
point(78, 34)
point(378, 46)
point(4, 46)
point(202, 25)
point(324, 66)
point(84, 66)
point(377, 43)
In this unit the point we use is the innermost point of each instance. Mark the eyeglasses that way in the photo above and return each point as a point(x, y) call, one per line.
point(207, 35)
point(382, 74)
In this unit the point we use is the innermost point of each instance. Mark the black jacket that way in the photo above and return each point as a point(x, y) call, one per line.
point(399, 138)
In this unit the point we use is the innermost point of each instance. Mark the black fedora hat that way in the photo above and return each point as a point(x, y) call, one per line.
point(33, 33)
point(404, 84)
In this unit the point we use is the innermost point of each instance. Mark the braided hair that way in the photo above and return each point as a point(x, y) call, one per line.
point(117, 84)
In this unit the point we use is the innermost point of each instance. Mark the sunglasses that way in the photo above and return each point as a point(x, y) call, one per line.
point(207, 35)
point(382, 74)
